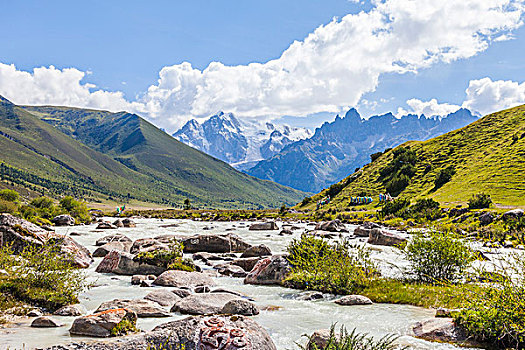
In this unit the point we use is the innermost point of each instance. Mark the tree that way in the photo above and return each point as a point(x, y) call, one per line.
point(187, 204)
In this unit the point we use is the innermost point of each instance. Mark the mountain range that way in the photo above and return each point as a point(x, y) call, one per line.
point(239, 143)
point(487, 156)
point(99, 155)
point(337, 148)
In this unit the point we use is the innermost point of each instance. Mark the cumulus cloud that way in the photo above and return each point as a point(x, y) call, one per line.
point(328, 71)
point(428, 108)
point(486, 96)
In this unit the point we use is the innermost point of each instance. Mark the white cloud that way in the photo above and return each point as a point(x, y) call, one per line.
point(326, 72)
point(428, 108)
point(486, 96)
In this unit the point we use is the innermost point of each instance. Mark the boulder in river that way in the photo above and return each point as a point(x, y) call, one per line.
point(246, 263)
point(19, 233)
point(231, 270)
point(163, 297)
point(331, 226)
point(127, 222)
point(264, 226)
point(142, 307)
point(319, 339)
point(180, 279)
point(240, 307)
point(122, 263)
point(381, 237)
point(203, 303)
point(106, 226)
point(191, 333)
point(353, 300)
point(103, 250)
point(101, 324)
point(225, 243)
point(116, 237)
point(256, 251)
point(71, 310)
point(78, 255)
point(272, 270)
point(45, 322)
point(63, 220)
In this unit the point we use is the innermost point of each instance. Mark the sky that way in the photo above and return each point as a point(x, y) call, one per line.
point(293, 61)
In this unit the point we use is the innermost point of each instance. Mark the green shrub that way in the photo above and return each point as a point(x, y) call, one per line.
point(125, 327)
point(8, 206)
point(185, 264)
point(442, 257)
point(353, 341)
point(375, 156)
point(426, 208)
point(496, 314)
point(162, 257)
point(397, 207)
point(305, 201)
point(480, 201)
point(76, 209)
point(41, 276)
point(443, 176)
point(335, 268)
point(9, 195)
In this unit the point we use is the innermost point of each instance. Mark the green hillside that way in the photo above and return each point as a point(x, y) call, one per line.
point(121, 157)
point(486, 156)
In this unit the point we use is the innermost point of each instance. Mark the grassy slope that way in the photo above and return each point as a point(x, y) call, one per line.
point(488, 155)
point(175, 170)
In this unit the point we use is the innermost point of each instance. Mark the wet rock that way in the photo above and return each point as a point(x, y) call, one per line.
point(183, 293)
point(231, 270)
point(118, 223)
point(353, 300)
point(256, 251)
point(117, 237)
point(331, 226)
point(142, 307)
point(380, 237)
point(163, 297)
point(122, 263)
point(362, 231)
point(175, 278)
point(486, 218)
point(225, 243)
point(444, 312)
point(285, 232)
point(247, 264)
point(307, 296)
point(129, 223)
point(102, 251)
point(240, 307)
point(439, 329)
point(35, 313)
point(45, 322)
point(153, 244)
point(203, 303)
point(264, 226)
point(63, 220)
point(100, 324)
point(272, 270)
point(201, 289)
point(71, 310)
point(106, 226)
point(319, 339)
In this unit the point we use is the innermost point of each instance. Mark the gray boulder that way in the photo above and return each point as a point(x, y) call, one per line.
point(122, 263)
point(71, 310)
point(100, 324)
point(319, 339)
point(78, 255)
point(380, 237)
point(63, 220)
point(240, 307)
point(247, 264)
point(256, 251)
point(353, 300)
point(486, 218)
point(116, 237)
point(272, 270)
point(439, 329)
point(331, 226)
point(203, 303)
point(515, 213)
point(106, 226)
point(179, 279)
point(129, 223)
point(264, 226)
point(142, 307)
point(163, 297)
point(118, 223)
point(362, 231)
point(45, 322)
point(182, 293)
point(103, 250)
point(231, 270)
point(20, 234)
point(225, 243)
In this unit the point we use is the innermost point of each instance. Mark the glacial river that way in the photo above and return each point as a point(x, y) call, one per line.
point(286, 325)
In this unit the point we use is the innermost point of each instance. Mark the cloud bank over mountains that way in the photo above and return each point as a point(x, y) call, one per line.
point(328, 71)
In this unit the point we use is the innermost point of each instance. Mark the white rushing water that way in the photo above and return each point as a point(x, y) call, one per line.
point(286, 325)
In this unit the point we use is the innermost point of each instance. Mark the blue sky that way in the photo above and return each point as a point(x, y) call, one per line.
point(123, 45)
